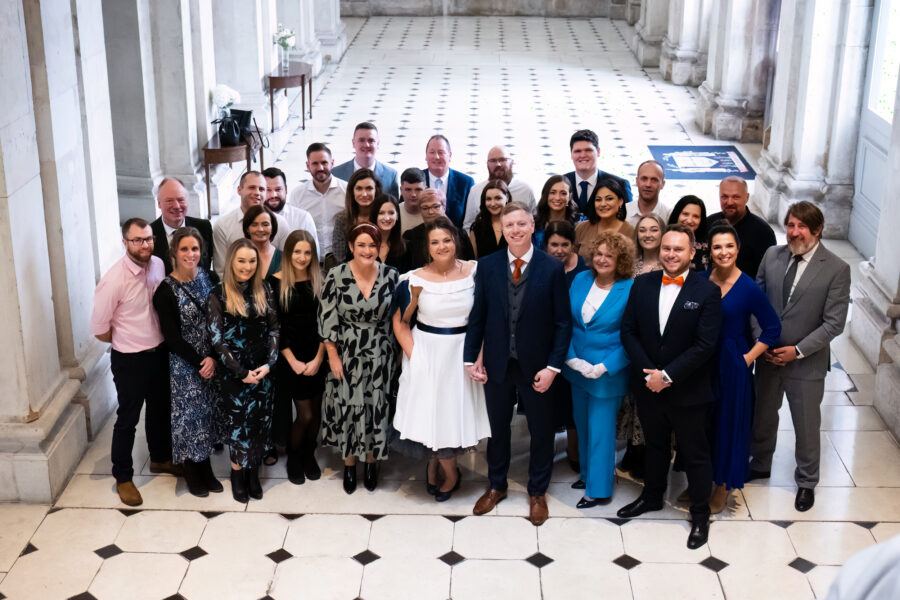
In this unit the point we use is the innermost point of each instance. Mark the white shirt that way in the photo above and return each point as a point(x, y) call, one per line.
point(171, 230)
point(801, 267)
point(525, 257)
point(518, 190)
point(592, 183)
point(432, 178)
point(322, 208)
point(407, 220)
point(230, 227)
point(667, 295)
point(297, 218)
point(632, 216)
point(595, 297)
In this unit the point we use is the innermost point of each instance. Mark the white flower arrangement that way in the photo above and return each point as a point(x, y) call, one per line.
point(223, 96)
point(284, 37)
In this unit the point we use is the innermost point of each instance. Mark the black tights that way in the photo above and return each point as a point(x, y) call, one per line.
point(305, 427)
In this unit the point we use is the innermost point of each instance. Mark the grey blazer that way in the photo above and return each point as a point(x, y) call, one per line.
point(817, 310)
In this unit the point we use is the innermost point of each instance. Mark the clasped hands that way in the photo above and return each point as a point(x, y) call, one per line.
point(781, 356)
point(256, 375)
point(654, 379)
point(585, 368)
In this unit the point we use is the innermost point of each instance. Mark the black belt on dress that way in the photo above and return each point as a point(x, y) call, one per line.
point(440, 330)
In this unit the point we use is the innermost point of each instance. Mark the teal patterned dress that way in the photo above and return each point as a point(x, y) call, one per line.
point(355, 409)
point(242, 344)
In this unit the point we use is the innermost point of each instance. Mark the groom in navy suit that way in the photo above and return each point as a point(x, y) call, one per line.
point(516, 341)
point(670, 330)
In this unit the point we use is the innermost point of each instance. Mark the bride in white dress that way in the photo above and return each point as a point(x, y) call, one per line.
point(438, 406)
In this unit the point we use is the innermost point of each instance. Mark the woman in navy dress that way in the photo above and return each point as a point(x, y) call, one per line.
point(243, 327)
point(741, 298)
point(180, 301)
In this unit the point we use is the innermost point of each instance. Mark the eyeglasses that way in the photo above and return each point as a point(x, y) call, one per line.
point(430, 207)
point(497, 161)
point(147, 241)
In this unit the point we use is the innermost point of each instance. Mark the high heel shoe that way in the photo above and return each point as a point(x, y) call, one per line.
point(444, 496)
point(310, 466)
point(254, 489)
point(295, 466)
point(209, 478)
point(371, 476)
point(239, 486)
point(194, 479)
point(349, 478)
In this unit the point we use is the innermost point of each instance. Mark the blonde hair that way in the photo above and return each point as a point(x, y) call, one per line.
point(288, 272)
point(231, 293)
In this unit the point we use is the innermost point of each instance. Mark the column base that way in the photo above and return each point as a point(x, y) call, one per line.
point(633, 11)
point(313, 56)
point(334, 44)
point(97, 393)
point(38, 458)
point(727, 118)
point(887, 386)
point(873, 316)
point(682, 67)
point(618, 9)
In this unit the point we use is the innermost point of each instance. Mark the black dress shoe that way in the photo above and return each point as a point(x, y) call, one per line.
point(254, 488)
point(585, 503)
point(754, 474)
point(638, 507)
point(239, 485)
point(295, 467)
point(310, 467)
point(444, 496)
point(209, 478)
point(349, 479)
point(805, 499)
point(370, 478)
point(699, 534)
point(579, 485)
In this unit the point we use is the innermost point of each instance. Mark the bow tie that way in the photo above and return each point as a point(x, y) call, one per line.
point(676, 280)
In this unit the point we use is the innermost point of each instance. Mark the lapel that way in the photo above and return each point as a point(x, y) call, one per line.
point(777, 284)
point(677, 308)
point(503, 279)
point(611, 298)
point(654, 280)
point(809, 275)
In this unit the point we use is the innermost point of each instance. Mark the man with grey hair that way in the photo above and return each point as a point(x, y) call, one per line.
point(756, 236)
point(650, 180)
point(171, 197)
point(499, 166)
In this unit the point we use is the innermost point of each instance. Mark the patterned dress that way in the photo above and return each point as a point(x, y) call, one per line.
point(183, 317)
point(242, 344)
point(355, 409)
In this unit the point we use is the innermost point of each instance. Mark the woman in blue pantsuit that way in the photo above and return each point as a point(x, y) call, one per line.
point(596, 365)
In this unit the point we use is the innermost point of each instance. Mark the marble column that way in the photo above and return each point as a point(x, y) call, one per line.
point(732, 100)
point(876, 294)
point(632, 11)
point(299, 15)
point(684, 49)
point(42, 432)
point(618, 9)
point(129, 63)
point(812, 148)
point(330, 30)
point(650, 31)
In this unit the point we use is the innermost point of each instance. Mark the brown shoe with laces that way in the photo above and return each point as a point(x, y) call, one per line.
point(488, 501)
point(129, 494)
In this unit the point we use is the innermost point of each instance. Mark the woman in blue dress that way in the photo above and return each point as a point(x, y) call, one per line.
point(741, 298)
point(180, 301)
point(243, 325)
point(596, 364)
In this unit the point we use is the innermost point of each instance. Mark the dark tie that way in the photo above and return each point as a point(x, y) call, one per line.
point(517, 272)
point(789, 278)
point(582, 197)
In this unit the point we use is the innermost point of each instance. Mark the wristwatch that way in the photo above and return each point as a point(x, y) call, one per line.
point(797, 350)
point(666, 378)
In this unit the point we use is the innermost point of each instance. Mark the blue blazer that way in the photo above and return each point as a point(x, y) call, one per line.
point(599, 340)
point(543, 332)
point(600, 175)
point(385, 174)
point(457, 191)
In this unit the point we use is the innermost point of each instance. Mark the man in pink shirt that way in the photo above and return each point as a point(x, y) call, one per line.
point(123, 315)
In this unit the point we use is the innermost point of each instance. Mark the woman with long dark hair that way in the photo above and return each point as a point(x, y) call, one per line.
point(363, 189)
point(487, 233)
point(605, 213)
point(556, 204)
point(393, 247)
point(691, 212)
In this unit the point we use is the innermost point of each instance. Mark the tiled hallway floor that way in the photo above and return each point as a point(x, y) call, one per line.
point(537, 80)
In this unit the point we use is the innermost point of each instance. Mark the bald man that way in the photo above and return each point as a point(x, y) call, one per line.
point(756, 235)
point(499, 166)
point(171, 197)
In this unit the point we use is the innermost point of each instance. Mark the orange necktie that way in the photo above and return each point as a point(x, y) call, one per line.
point(517, 272)
point(676, 280)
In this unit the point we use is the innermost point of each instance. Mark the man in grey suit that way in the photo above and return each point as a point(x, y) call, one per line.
point(810, 289)
point(365, 145)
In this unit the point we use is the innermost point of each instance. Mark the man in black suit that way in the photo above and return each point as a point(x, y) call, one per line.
point(756, 235)
point(584, 145)
point(171, 197)
point(516, 342)
point(670, 330)
point(432, 204)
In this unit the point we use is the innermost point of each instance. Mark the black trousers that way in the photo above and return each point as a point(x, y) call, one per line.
point(500, 397)
point(689, 423)
point(141, 376)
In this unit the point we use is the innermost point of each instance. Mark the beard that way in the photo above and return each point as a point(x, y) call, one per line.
point(502, 173)
point(277, 207)
point(800, 247)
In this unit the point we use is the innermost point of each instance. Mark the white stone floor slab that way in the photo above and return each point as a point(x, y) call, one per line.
point(526, 83)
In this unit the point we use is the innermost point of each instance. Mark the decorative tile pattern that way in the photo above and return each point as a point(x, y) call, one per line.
point(194, 553)
point(713, 564)
point(108, 551)
point(539, 560)
point(627, 562)
point(365, 557)
point(802, 565)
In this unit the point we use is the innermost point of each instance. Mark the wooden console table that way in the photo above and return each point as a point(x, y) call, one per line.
point(214, 153)
point(297, 74)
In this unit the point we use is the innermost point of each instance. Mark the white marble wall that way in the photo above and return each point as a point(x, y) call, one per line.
point(683, 54)
point(299, 15)
point(633, 11)
point(431, 8)
point(330, 30)
point(650, 31)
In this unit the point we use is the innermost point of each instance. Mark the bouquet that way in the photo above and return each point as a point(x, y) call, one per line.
point(284, 37)
point(223, 97)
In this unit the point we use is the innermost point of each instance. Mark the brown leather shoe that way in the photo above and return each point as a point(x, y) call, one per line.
point(166, 467)
point(129, 494)
point(538, 512)
point(488, 501)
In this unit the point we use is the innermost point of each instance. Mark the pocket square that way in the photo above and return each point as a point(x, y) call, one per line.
point(691, 305)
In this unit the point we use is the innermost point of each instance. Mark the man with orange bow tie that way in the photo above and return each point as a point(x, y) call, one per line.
point(670, 330)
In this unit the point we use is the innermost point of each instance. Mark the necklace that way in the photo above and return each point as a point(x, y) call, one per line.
point(448, 271)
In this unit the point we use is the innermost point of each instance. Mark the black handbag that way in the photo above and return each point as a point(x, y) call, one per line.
point(229, 130)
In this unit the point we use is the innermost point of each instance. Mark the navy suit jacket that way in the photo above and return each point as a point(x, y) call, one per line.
point(457, 189)
point(600, 175)
point(544, 329)
point(385, 174)
point(686, 349)
point(161, 242)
